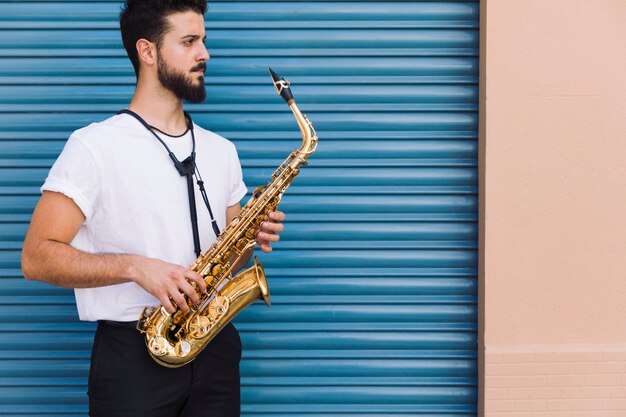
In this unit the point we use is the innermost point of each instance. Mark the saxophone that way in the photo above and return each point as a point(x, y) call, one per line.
point(174, 340)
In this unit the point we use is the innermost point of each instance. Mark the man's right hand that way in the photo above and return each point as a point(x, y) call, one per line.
point(167, 282)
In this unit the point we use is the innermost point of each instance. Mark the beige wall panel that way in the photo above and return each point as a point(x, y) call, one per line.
point(553, 207)
point(555, 213)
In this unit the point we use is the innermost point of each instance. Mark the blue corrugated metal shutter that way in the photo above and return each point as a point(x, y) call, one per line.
point(374, 282)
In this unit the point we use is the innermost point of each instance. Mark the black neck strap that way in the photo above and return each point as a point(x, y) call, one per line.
point(187, 168)
point(182, 170)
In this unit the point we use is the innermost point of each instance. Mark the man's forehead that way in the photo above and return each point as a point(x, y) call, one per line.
point(184, 24)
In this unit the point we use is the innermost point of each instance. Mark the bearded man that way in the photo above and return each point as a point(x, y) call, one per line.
point(116, 222)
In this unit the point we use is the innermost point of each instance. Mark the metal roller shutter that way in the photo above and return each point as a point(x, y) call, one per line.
point(374, 282)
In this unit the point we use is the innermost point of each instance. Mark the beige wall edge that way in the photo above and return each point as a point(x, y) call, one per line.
point(482, 166)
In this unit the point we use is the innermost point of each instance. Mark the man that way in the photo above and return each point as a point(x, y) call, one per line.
point(114, 222)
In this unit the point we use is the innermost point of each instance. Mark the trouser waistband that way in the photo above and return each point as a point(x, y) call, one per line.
point(125, 324)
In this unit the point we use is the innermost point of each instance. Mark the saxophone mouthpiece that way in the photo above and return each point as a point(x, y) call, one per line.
point(282, 87)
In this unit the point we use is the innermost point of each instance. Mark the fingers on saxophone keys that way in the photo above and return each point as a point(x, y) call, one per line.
point(187, 289)
point(178, 300)
point(267, 237)
point(198, 280)
point(271, 227)
point(169, 305)
point(277, 216)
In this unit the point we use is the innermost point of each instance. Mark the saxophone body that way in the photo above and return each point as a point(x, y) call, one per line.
point(174, 340)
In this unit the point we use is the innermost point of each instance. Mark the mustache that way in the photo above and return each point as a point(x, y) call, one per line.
point(200, 66)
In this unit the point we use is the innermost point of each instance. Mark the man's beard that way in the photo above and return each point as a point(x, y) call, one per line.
point(179, 84)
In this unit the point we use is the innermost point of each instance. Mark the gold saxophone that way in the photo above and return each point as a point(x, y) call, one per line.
point(176, 339)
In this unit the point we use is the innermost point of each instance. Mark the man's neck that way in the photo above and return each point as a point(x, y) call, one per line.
point(160, 108)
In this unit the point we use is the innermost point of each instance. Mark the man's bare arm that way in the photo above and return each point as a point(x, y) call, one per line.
point(47, 256)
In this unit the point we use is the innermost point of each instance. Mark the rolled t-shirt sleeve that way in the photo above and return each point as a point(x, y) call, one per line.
point(75, 174)
point(237, 186)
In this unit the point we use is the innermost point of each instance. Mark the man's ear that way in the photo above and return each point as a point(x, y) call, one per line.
point(146, 51)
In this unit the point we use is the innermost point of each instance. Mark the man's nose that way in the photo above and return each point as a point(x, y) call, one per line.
point(204, 53)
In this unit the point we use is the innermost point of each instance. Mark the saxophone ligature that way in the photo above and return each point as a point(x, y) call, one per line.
point(174, 340)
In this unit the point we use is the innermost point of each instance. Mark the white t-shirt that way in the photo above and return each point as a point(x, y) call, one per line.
point(135, 202)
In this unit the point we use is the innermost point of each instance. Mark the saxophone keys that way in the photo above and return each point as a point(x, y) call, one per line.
point(208, 280)
point(182, 348)
point(199, 326)
point(216, 270)
point(218, 307)
point(241, 244)
point(148, 311)
point(158, 345)
point(258, 191)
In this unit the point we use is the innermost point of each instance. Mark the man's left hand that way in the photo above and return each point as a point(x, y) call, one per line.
point(270, 229)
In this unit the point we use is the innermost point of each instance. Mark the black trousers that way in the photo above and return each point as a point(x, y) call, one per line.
point(125, 381)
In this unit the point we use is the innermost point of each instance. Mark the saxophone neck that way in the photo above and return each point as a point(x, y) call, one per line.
point(309, 137)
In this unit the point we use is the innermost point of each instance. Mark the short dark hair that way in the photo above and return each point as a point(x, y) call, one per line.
point(147, 19)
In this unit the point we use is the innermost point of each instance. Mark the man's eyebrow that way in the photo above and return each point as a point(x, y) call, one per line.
point(193, 38)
